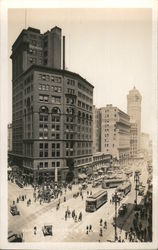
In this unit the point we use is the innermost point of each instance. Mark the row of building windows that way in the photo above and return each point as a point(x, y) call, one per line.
point(36, 42)
point(52, 78)
point(107, 145)
point(84, 97)
point(35, 52)
point(84, 106)
point(70, 100)
point(71, 82)
point(82, 87)
point(71, 91)
point(107, 110)
point(82, 151)
point(82, 161)
point(45, 98)
point(33, 60)
point(84, 136)
point(45, 164)
point(46, 87)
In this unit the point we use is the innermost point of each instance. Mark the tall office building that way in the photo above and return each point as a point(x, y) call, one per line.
point(9, 137)
point(115, 133)
point(134, 111)
point(52, 109)
point(96, 130)
point(133, 139)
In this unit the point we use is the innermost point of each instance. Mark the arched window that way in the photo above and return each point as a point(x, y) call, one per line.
point(79, 114)
point(43, 109)
point(56, 110)
point(43, 114)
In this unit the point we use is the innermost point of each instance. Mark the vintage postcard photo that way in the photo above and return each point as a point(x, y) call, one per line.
point(81, 136)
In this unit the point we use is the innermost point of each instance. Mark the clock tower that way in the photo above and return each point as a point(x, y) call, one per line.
point(134, 99)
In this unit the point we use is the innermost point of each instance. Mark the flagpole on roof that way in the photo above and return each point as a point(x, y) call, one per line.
point(25, 18)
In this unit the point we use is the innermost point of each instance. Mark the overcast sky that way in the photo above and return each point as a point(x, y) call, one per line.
point(111, 48)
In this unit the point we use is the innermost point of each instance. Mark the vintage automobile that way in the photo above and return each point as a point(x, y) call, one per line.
point(15, 237)
point(84, 185)
point(122, 210)
point(14, 210)
point(89, 182)
point(19, 183)
point(47, 230)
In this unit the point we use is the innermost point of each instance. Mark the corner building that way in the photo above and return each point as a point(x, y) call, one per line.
point(115, 133)
point(52, 109)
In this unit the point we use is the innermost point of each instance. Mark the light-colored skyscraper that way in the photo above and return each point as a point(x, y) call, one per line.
point(115, 133)
point(134, 99)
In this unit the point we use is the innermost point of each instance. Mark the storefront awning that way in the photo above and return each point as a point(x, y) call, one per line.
point(105, 166)
point(82, 176)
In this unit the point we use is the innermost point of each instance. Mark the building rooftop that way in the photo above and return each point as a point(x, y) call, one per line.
point(58, 71)
point(134, 91)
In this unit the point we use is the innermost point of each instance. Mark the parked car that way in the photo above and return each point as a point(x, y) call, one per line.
point(47, 230)
point(89, 181)
point(15, 237)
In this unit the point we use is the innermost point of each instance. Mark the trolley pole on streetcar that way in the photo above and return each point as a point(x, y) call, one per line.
point(115, 199)
point(136, 179)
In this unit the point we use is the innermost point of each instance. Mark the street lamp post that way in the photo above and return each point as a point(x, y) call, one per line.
point(136, 179)
point(115, 198)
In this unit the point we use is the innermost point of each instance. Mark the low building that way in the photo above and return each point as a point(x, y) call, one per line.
point(101, 161)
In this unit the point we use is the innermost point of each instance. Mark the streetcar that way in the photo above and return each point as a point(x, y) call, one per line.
point(112, 183)
point(125, 187)
point(96, 200)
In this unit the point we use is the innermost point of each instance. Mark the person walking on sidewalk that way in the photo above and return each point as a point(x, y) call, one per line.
point(105, 224)
point(35, 230)
point(87, 230)
point(101, 221)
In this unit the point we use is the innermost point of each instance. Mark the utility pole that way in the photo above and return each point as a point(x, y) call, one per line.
point(136, 178)
point(115, 199)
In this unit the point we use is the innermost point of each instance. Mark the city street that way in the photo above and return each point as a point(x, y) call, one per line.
point(69, 230)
